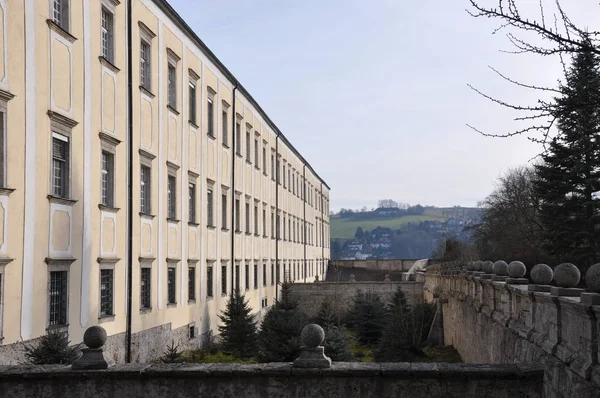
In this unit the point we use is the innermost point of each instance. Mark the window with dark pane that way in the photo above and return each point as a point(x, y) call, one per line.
point(58, 298)
point(248, 146)
point(210, 117)
point(172, 197)
point(145, 65)
point(264, 274)
point(224, 279)
point(209, 281)
point(255, 276)
point(237, 215)
point(145, 287)
point(172, 86)
point(247, 276)
point(256, 219)
point(224, 211)
point(60, 166)
point(145, 190)
point(192, 102)
point(191, 282)
point(192, 203)
point(107, 179)
point(238, 138)
point(106, 292)
point(209, 208)
point(224, 127)
point(107, 35)
point(171, 285)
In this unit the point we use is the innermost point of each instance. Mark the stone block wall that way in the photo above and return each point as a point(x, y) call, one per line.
point(492, 322)
point(348, 380)
point(340, 294)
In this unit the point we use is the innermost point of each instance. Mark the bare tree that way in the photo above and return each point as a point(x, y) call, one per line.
point(510, 225)
point(545, 35)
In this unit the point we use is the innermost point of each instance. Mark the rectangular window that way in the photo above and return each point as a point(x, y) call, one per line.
point(248, 147)
point(247, 277)
point(277, 226)
point(224, 279)
point(107, 35)
point(209, 208)
point(237, 277)
point(58, 298)
point(255, 276)
point(284, 176)
point(256, 163)
point(278, 172)
point(108, 179)
point(248, 218)
point(272, 166)
point(210, 113)
point(278, 274)
point(256, 219)
point(272, 224)
point(145, 190)
point(264, 160)
point(145, 288)
point(224, 123)
point(171, 285)
point(172, 197)
point(191, 283)
point(224, 211)
point(209, 281)
point(192, 202)
point(264, 275)
point(106, 292)
point(238, 138)
point(60, 165)
point(145, 65)
point(272, 274)
point(264, 223)
point(289, 180)
point(237, 215)
point(172, 86)
point(60, 13)
point(192, 102)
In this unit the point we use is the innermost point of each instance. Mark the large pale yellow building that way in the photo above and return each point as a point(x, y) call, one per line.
point(139, 181)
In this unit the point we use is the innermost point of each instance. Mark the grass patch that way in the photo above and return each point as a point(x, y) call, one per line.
point(344, 228)
point(443, 354)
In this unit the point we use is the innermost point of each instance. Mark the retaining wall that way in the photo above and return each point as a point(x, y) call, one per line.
point(348, 380)
point(492, 322)
point(340, 294)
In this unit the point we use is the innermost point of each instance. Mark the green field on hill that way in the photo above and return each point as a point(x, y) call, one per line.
point(344, 228)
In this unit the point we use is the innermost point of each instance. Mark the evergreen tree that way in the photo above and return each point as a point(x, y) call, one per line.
point(337, 343)
point(238, 329)
point(53, 349)
point(570, 173)
point(359, 234)
point(279, 336)
point(367, 317)
point(395, 344)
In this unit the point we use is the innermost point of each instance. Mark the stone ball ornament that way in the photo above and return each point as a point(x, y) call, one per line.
point(567, 275)
point(592, 278)
point(94, 337)
point(500, 268)
point(470, 266)
point(542, 274)
point(312, 335)
point(477, 265)
point(516, 269)
point(487, 267)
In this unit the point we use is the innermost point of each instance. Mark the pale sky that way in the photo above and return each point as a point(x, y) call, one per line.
point(374, 93)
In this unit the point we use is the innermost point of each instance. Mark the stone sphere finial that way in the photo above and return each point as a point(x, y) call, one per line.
point(312, 335)
point(477, 265)
point(470, 266)
point(567, 275)
point(592, 278)
point(487, 267)
point(94, 337)
point(500, 268)
point(516, 269)
point(542, 274)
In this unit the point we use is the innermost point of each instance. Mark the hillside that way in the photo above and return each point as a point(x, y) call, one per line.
point(344, 228)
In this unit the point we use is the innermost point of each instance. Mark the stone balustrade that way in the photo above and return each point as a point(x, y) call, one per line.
point(500, 317)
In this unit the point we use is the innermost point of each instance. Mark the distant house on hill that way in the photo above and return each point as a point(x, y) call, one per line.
point(354, 245)
point(381, 232)
point(388, 212)
point(361, 256)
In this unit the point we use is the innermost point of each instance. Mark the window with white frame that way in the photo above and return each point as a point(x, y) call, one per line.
point(210, 116)
point(172, 284)
point(107, 35)
point(145, 190)
point(108, 162)
point(192, 102)
point(60, 13)
point(172, 197)
point(172, 85)
point(106, 292)
point(145, 65)
point(192, 202)
point(146, 286)
point(60, 165)
point(224, 116)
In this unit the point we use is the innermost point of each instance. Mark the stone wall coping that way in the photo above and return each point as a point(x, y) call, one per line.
point(302, 284)
point(338, 369)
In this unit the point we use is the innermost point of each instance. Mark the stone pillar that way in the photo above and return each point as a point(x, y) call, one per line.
point(93, 356)
point(313, 353)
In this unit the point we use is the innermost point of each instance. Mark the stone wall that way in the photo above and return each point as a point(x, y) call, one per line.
point(145, 345)
point(348, 380)
point(340, 294)
point(492, 322)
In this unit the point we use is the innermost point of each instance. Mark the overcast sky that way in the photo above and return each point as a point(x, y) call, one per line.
point(374, 93)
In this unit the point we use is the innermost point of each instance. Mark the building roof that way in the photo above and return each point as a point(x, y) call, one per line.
point(170, 11)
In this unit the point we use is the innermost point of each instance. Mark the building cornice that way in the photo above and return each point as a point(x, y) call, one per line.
point(62, 119)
